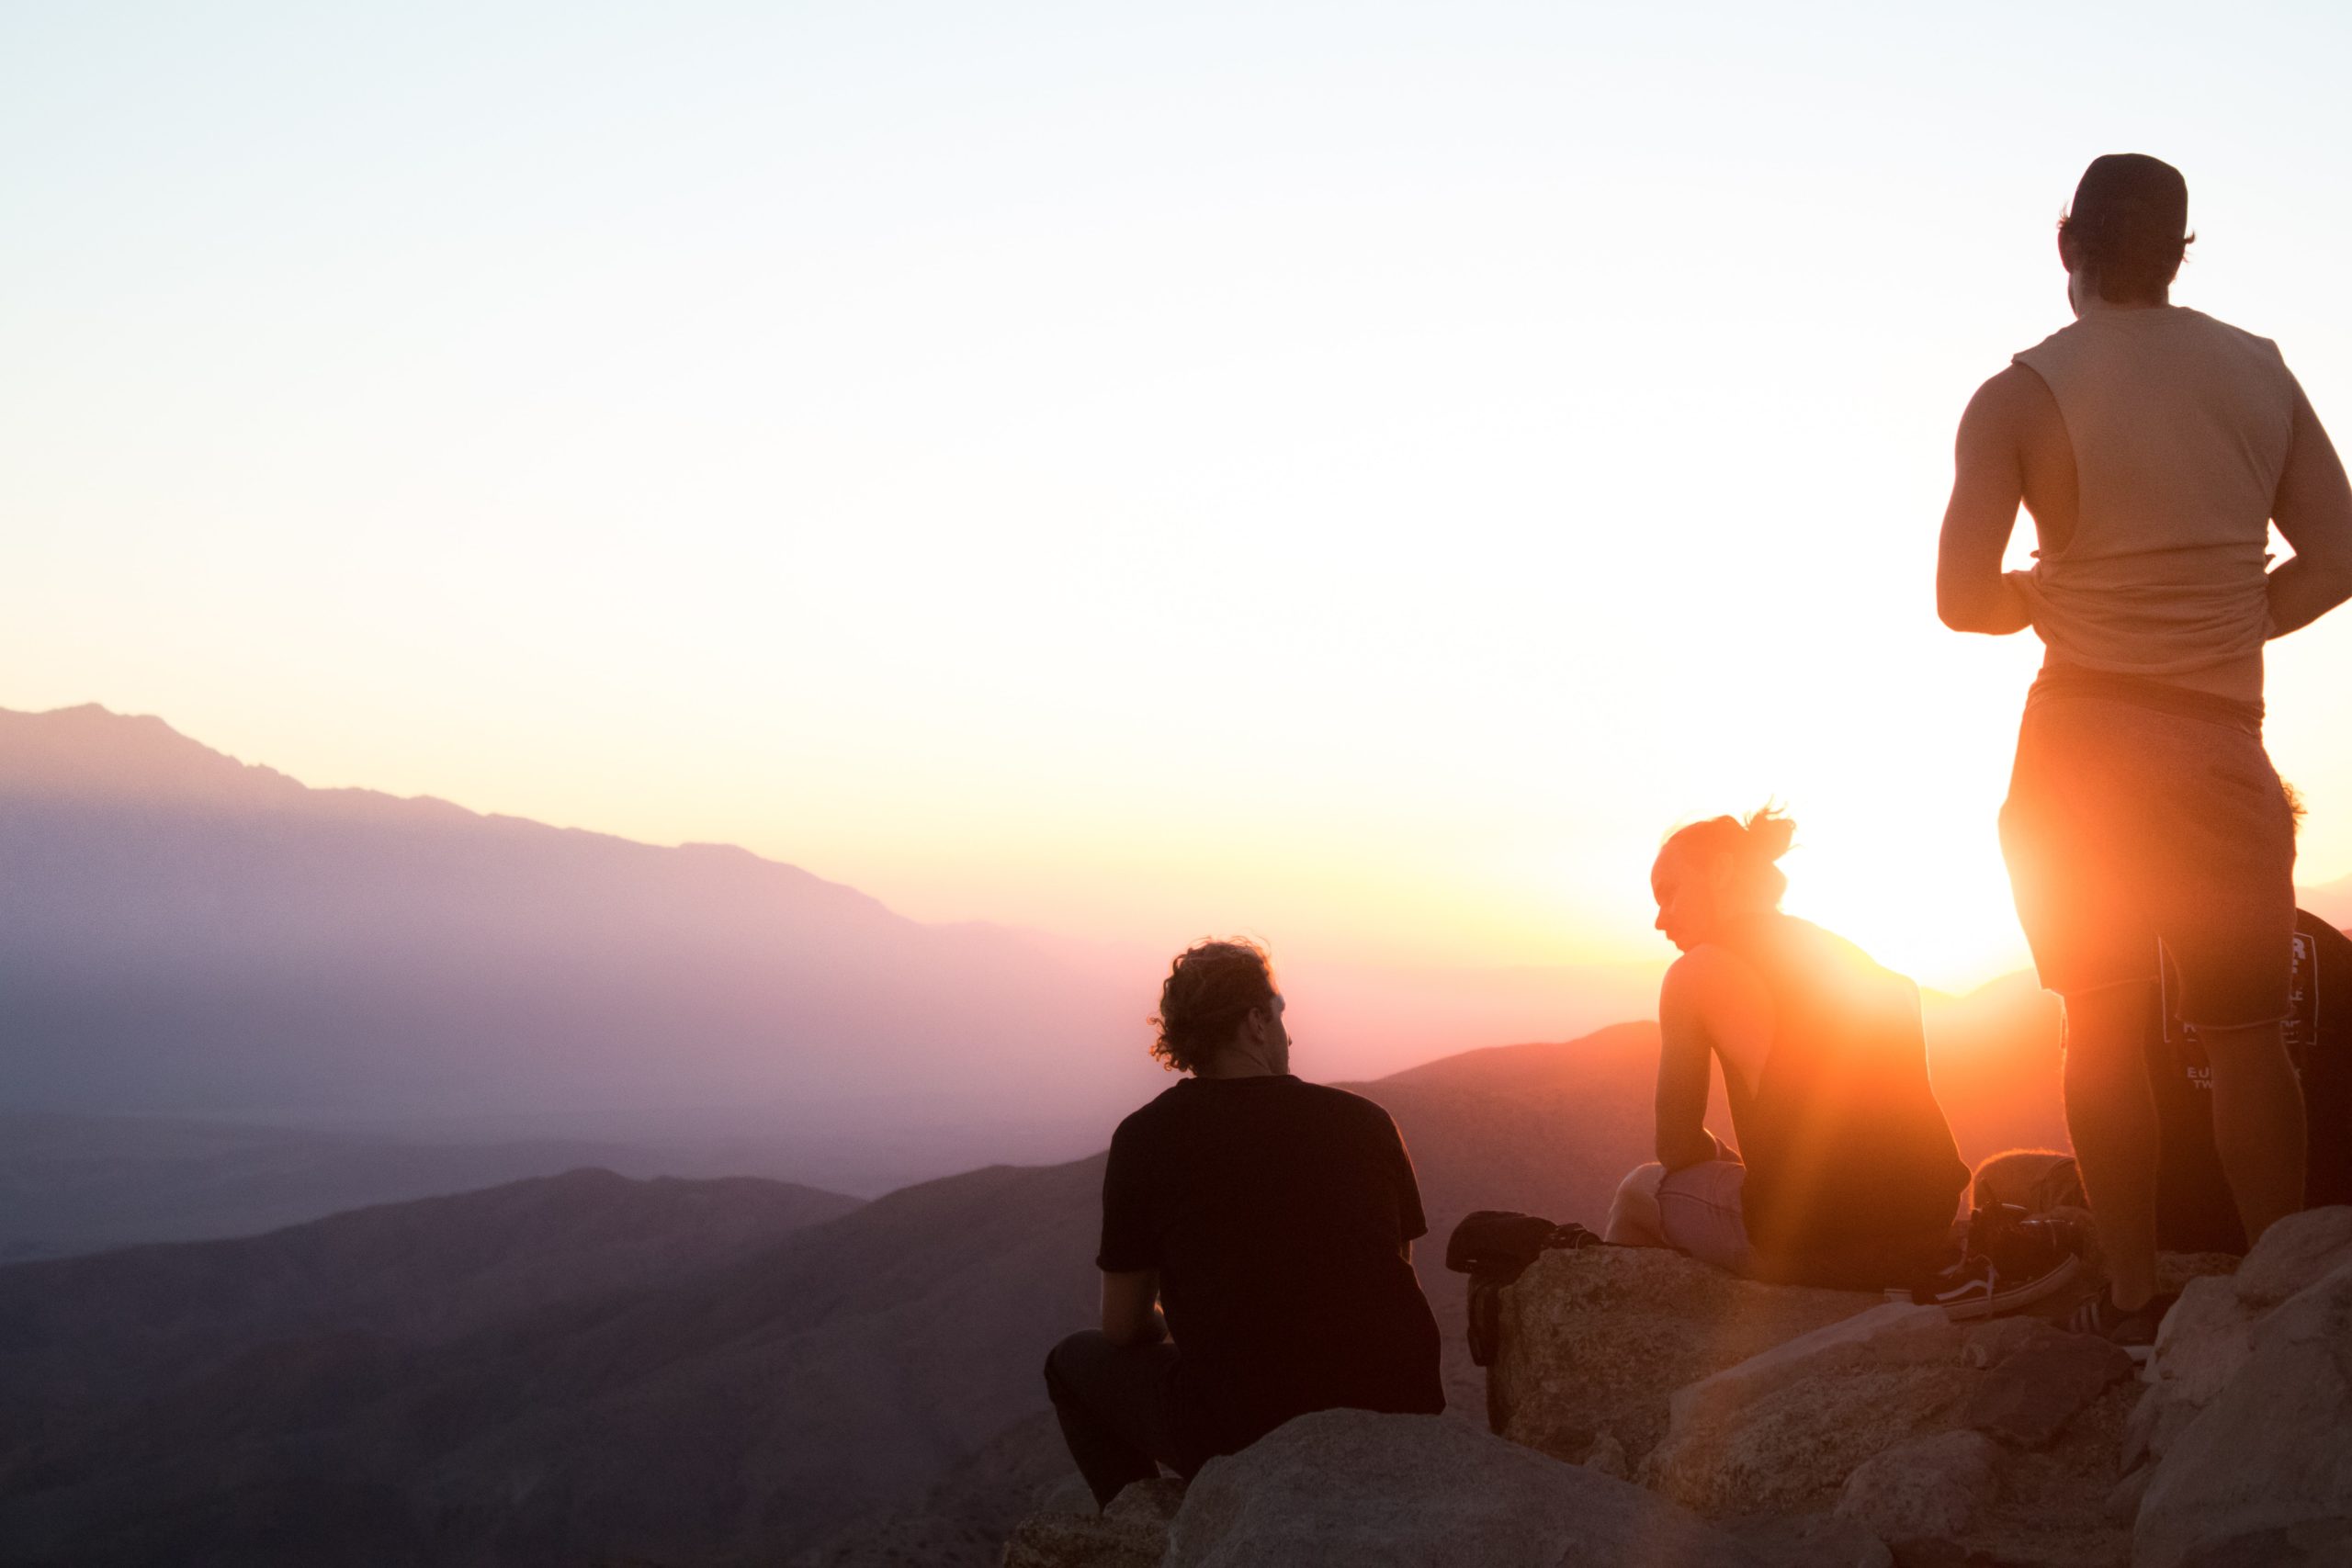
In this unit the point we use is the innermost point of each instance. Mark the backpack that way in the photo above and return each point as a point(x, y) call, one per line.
point(1493, 1246)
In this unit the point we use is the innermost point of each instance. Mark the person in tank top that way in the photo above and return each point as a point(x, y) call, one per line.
point(1846, 1173)
point(2144, 826)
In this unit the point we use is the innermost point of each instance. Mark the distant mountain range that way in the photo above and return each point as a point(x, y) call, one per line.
point(188, 936)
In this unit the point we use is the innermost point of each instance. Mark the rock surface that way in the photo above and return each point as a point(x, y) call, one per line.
point(1924, 1488)
point(1812, 1540)
point(2029, 1397)
point(1782, 1432)
point(2208, 1338)
point(2264, 1472)
point(1346, 1489)
point(1595, 1340)
point(1131, 1533)
point(1996, 1339)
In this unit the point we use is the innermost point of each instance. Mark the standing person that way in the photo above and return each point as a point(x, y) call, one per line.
point(1272, 1219)
point(2153, 445)
point(1846, 1173)
point(2194, 1209)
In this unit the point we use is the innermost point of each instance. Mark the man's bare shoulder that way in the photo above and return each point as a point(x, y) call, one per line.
point(2013, 408)
point(2011, 397)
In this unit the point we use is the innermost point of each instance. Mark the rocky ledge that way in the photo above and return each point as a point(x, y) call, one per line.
point(1655, 1412)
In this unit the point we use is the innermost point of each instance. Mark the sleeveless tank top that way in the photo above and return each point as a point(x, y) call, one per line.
point(1853, 1178)
point(2180, 427)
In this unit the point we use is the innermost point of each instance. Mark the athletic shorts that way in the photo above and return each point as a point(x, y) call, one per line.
point(2129, 824)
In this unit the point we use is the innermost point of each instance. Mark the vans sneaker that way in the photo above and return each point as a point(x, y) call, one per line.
point(1976, 1287)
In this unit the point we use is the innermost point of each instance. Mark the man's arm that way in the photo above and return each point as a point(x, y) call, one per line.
point(2313, 511)
point(1131, 1308)
point(1988, 484)
point(1411, 1222)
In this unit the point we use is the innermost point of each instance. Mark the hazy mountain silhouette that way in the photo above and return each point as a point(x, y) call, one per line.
point(319, 1396)
point(73, 1184)
point(189, 935)
point(2331, 901)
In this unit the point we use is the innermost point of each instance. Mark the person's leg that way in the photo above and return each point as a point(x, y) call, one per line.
point(2258, 1121)
point(1633, 1214)
point(2231, 932)
point(2111, 1117)
point(1701, 1212)
point(1117, 1408)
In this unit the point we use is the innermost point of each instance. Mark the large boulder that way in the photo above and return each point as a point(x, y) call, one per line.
point(2208, 1337)
point(2027, 1399)
point(1928, 1488)
point(1782, 1431)
point(1595, 1340)
point(2263, 1474)
point(1347, 1489)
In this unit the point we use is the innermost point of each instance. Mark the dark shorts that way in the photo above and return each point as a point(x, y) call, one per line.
point(2129, 825)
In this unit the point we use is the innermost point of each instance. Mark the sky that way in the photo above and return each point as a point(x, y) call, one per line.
point(1354, 474)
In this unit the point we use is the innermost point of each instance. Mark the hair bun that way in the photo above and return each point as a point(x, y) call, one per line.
point(1769, 832)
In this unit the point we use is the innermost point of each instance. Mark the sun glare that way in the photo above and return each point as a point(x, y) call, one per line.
point(1940, 913)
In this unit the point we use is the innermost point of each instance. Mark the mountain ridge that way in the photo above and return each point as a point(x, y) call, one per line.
point(198, 935)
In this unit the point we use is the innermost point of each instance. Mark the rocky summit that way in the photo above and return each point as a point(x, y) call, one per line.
point(1654, 1411)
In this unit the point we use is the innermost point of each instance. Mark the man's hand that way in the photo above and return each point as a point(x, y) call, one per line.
point(2313, 511)
point(1131, 1308)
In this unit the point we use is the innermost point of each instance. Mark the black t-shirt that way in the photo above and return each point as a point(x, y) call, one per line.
point(2194, 1209)
point(1277, 1214)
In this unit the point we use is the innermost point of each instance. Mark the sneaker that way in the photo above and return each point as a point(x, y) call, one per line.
point(2134, 1331)
point(1977, 1286)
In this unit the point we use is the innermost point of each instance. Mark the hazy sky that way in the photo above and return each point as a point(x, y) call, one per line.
point(1356, 473)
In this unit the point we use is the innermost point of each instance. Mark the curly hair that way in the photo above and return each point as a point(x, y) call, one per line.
point(1210, 988)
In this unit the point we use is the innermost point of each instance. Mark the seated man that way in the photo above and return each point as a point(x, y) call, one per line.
point(2195, 1211)
point(1850, 1177)
point(1273, 1218)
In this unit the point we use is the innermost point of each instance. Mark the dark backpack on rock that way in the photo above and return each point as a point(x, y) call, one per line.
point(1493, 1246)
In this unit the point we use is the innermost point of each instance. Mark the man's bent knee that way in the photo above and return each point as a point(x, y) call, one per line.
point(1067, 1362)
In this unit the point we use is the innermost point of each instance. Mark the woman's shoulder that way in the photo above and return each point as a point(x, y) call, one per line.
point(1710, 972)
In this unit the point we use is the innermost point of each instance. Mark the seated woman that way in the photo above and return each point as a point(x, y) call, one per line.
point(1847, 1174)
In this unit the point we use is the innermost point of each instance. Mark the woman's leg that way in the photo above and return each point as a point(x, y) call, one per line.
point(1701, 1210)
point(1634, 1218)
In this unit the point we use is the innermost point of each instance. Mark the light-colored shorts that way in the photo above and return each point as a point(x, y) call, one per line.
point(2127, 827)
point(1700, 1213)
